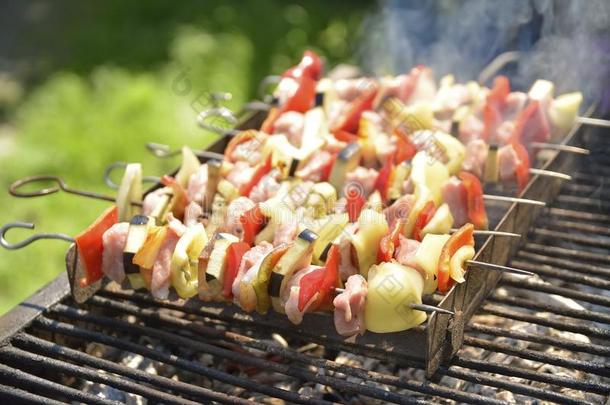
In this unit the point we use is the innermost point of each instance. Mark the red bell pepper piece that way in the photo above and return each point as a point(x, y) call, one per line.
point(382, 182)
point(235, 252)
point(424, 216)
point(494, 106)
point(321, 281)
point(303, 98)
point(532, 125)
point(90, 245)
point(476, 206)
point(389, 243)
point(522, 171)
point(405, 150)
point(327, 168)
point(261, 170)
point(345, 136)
point(463, 237)
point(252, 221)
point(310, 66)
point(350, 119)
point(355, 203)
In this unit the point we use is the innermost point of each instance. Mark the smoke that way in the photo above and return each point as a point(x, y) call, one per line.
point(567, 42)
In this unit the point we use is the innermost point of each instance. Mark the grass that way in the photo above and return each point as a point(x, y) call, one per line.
point(103, 81)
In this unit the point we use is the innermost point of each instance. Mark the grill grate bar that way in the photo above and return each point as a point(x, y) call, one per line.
point(265, 327)
point(182, 341)
point(554, 251)
point(580, 215)
point(512, 371)
point(424, 388)
point(19, 396)
point(478, 378)
point(31, 382)
point(47, 348)
point(561, 274)
point(577, 238)
point(583, 189)
point(562, 324)
point(240, 339)
point(87, 335)
point(542, 306)
point(578, 200)
point(573, 345)
point(540, 286)
point(565, 264)
point(586, 366)
point(577, 226)
point(16, 356)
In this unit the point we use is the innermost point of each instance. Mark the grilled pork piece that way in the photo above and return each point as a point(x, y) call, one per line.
point(153, 199)
point(240, 174)
point(405, 253)
point(313, 169)
point(349, 307)
point(291, 125)
point(290, 296)
point(114, 240)
point(476, 155)
point(235, 210)
point(161, 272)
point(266, 188)
point(248, 270)
point(197, 184)
point(399, 209)
point(363, 179)
point(454, 194)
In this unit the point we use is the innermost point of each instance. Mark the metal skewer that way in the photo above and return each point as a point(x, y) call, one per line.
point(497, 267)
point(27, 225)
point(548, 173)
point(217, 115)
point(163, 151)
point(596, 122)
point(560, 147)
point(418, 307)
point(61, 185)
point(513, 200)
point(491, 232)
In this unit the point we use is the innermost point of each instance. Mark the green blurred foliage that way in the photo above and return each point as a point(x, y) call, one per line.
point(102, 79)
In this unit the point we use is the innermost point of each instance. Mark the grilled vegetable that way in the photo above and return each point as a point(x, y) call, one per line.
point(456, 264)
point(427, 256)
point(542, 91)
point(463, 237)
point(383, 180)
point(389, 243)
point(219, 212)
point(214, 167)
point(350, 117)
point(185, 261)
point(136, 236)
point(261, 283)
point(321, 199)
point(491, 173)
point(453, 149)
point(347, 160)
point(190, 165)
point(424, 216)
point(441, 223)
point(261, 170)
point(227, 190)
point(476, 206)
point(252, 221)
point(211, 286)
point(320, 282)
point(333, 226)
point(391, 288)
point(235, 252)
point(147, 254)
point(563, 111)
point(297, 257)
point(399, 175)
point(522, 171)
point(90, 245)
point(130, 191)
point(372, 226)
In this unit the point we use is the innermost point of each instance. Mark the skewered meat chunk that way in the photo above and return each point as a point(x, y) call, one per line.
point(290, 124)
point(290, 295)
point(405, 253)
point(235, 210)
point(349, 307)
point(161, 271)
point(454, 194)
point(248, 269)
point(114, 242)
point(197, 184)
point(313, 169)
point(363, 179)
point(476, 155)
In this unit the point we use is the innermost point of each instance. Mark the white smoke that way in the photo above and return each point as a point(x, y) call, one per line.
point(566, 41)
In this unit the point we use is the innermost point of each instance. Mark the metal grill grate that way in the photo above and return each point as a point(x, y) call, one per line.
point(533, 340)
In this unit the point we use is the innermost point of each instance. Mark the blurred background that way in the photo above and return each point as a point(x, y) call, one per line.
point(84, 85)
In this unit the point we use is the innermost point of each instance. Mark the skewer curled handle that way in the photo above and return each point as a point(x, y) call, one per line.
point(209, 119)
point(27, 225)
point(164, 151)
point(60, 185)
point(121, 165)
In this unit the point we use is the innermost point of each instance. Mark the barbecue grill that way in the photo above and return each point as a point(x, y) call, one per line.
point(530, 339)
